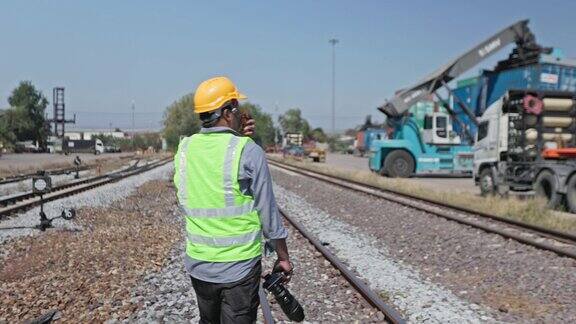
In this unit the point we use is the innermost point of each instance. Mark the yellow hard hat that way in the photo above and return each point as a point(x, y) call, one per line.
point(213, 93)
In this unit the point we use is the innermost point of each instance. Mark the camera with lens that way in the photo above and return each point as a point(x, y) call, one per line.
point(274, 283)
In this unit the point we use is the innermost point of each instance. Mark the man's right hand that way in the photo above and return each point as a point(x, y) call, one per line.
point(283, 263)
point(284, 267)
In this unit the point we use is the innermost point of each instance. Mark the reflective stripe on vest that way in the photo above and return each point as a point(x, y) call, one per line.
point(222, 224)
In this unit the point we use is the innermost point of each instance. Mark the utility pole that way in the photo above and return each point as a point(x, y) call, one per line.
point(333, 41)
point(133, 126)
point(274, 122)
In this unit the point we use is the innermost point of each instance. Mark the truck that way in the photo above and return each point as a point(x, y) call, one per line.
point(443, 144)
point(82, 146)
point(526, 141)
point(314, 151)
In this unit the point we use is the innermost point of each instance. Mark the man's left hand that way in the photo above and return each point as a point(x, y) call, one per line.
point(249, 128)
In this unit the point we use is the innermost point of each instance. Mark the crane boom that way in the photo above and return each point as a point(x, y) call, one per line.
point(406, 98)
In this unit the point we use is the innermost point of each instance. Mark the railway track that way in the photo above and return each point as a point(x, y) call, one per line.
point(391, 314)
point(561, 243)
point(22, 177)
point(28, 200)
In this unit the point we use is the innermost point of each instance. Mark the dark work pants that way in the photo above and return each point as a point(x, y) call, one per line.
point(234, 302)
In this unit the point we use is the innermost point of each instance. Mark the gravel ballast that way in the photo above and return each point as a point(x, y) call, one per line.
point(418, 299)
point(116, 265)
point(510, 281)
point(322, 291)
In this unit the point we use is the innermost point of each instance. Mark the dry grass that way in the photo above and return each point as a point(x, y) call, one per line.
point(531, 211)
point(101, 165)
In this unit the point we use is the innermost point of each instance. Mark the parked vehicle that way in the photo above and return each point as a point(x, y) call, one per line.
point(527, 141)
point(27, 147)
point(112, 149)
point(297, 151)
point(82, 146)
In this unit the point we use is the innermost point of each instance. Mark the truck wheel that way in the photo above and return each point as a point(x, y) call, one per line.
point(487, 185)
point(571, 194)
point(399, 164)
point(546, 186)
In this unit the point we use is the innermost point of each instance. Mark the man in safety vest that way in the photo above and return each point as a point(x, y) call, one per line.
point(225, 190)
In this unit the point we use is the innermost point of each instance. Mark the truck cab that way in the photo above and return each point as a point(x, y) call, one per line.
point(490, 142)
point(438, 130)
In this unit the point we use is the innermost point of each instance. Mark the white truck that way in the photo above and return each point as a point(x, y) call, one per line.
point(94, 146)
point(527, 141)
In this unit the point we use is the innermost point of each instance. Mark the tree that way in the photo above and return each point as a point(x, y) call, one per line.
point(180, 120)
point(292, 122)
point(29, 105)
point(318, 135)
point(12, 121)
point(7, 136)
point(264, 133)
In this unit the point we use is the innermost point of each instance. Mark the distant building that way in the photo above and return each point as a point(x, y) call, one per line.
point(88, 134)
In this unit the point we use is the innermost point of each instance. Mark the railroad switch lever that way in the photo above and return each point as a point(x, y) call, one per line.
point(77, 163)
point(45, 222)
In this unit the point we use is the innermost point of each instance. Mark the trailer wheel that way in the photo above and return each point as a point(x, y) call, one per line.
point(399, 164)
point(571, 194)
point(546, 186)
point(487, 185)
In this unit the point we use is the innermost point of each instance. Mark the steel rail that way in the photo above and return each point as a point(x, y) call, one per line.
point(266, 310)
point(423, 204)
point(371, 297)
point(69, 189)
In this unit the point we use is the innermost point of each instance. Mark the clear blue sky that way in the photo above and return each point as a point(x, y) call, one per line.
point(108, 53)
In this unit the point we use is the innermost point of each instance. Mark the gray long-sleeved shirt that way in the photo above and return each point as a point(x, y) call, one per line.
point(255, 180)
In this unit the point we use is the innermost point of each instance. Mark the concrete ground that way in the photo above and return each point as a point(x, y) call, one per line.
point(30, 162)
point(444, 183)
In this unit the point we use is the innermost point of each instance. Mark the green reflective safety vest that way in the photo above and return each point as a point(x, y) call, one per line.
point(221, 223)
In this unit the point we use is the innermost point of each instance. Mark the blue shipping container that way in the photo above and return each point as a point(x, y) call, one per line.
point(552, 73)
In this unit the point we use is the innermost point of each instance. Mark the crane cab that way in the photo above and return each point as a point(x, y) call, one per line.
point(438, 130)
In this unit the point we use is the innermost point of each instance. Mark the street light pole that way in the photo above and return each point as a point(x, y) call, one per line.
point(133, 126)
point(333, 41)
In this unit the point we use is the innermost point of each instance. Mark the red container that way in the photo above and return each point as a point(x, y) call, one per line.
point(360, 140)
